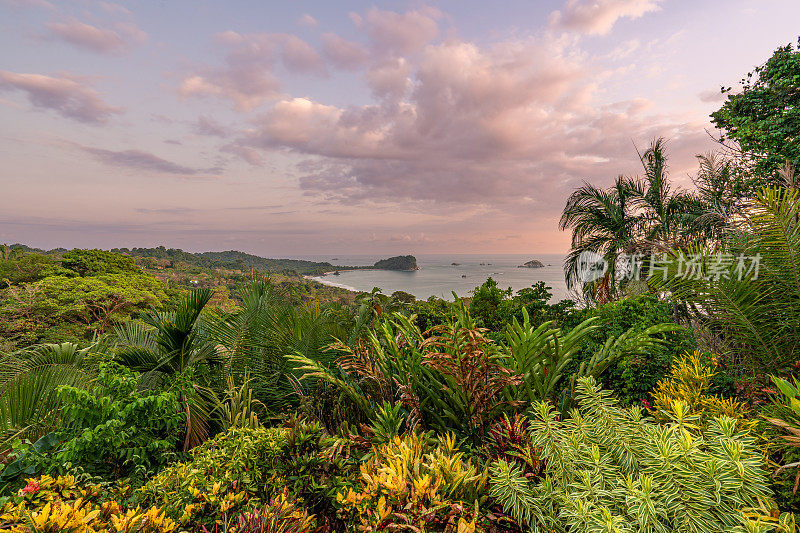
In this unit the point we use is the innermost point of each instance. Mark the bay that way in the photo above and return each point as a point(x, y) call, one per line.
point(438, 276)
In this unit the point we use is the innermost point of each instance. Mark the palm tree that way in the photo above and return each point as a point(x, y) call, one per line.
point(667, 214)
point(749, 295)
point(29, 381)
point(173, 349)
point(604, 222)
point(267, 327)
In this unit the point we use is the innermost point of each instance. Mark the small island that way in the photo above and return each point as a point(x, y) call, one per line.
point(532, 264)
point(400, 262)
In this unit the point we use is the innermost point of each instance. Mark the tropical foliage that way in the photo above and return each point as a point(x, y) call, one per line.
point(156, 390)
point(762, 117)
point(607, 469)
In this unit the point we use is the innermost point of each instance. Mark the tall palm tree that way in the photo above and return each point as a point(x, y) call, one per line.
point(173, 349)
point(604, 222)
point(667, 213)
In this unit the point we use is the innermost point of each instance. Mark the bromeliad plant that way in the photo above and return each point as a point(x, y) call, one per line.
point(608, 469)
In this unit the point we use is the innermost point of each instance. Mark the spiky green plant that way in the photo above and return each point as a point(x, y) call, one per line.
point(173, 348)
point(238, 408)
point(541, 354)
point(257, 336)
point(608, 469)
point(751, 304)
point(29, 382)
point(389, 422)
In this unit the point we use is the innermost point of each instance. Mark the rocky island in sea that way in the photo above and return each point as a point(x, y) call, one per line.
point(532, 264)
point(399, 262)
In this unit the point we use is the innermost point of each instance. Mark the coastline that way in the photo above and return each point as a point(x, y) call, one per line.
point(323, 278)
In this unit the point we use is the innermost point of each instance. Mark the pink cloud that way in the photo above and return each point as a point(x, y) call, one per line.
point(115, 9)
point(247, 77)
point(514, 124)
point(88, 37)
point(65, 94)
point(395, 34)
point(249, 154)
point(390, 78)
point(208, 126)
point(145, 162)
point(342, 53)
point(307, 20)
point(299, 56)
point(597, 17)
point(712, 96)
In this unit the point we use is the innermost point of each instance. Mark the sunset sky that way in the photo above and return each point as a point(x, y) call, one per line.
point(326, 127)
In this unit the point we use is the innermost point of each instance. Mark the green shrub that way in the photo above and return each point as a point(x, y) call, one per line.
point(689, 383)
point(227, 474)
point(608, 469)
point(633, 377)
point(94, 262)
point(113, 430)
point(242, 469)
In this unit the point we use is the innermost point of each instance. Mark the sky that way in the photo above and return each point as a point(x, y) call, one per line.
point(333, 127)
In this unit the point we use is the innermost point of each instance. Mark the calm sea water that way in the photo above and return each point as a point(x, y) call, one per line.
point(437, 275)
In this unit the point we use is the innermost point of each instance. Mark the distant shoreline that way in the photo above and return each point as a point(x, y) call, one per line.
point(322, 278)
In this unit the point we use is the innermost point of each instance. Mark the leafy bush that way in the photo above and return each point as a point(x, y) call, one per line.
point(240, 470)
point(115, 430)
point(410, 483)
point(48, 504)
point(689, 383)
point(762, 115)
point(227, 474)
point(312, 468)
point(608, 469)
point(28, 267)
point(485, 302)
point(94, 262)
point(634, 375)
point(111, 431)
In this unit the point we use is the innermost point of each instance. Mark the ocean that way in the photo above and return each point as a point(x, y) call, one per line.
point(438, 276)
